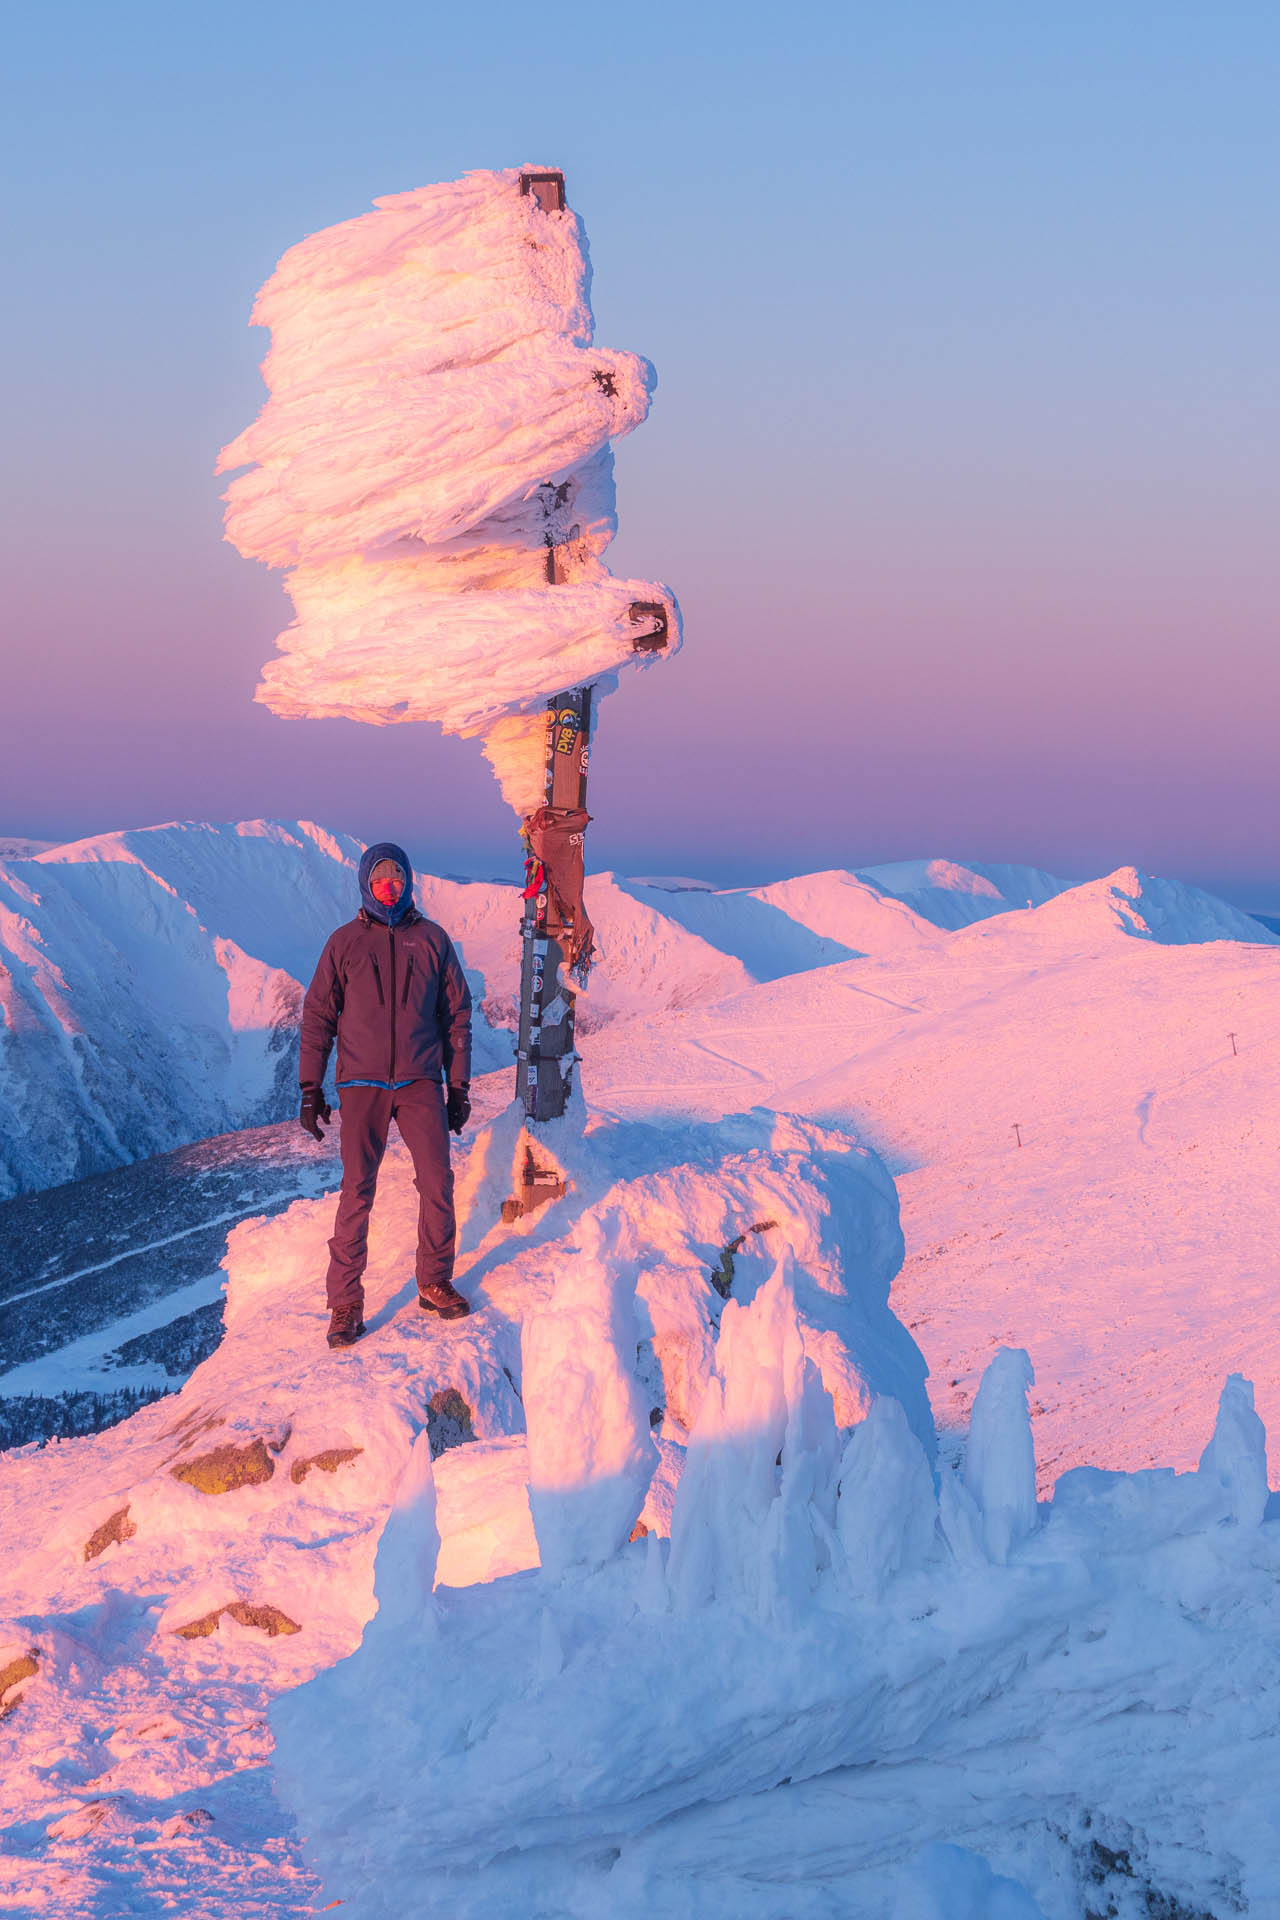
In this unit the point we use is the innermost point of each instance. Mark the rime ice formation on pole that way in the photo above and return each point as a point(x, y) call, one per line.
point(434, 468)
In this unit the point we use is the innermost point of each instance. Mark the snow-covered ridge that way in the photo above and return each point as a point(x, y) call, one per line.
point(1168, 912)
point(150, 988)
point(150, 980)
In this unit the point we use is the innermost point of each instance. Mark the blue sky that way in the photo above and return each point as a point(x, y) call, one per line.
point(962, 458)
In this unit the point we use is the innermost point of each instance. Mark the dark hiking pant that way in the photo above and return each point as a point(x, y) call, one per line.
point(367, 1113)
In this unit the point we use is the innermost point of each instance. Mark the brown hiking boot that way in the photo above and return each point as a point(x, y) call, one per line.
point(442, 1297)
point(346, 1324)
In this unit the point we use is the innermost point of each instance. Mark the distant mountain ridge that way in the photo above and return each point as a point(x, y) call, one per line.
point(151, 979)
point(14, 847)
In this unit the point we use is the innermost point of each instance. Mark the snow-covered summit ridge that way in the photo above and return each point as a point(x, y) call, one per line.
point(953, 893)
point(152, 977)
point(439, 420)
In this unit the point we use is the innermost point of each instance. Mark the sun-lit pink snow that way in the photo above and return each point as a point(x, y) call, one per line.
point(439, 421)
point(827, 1630)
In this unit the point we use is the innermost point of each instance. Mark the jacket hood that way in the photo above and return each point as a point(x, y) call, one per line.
point(385, 850)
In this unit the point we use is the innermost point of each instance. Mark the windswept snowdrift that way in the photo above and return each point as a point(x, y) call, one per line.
point(830, 1693)
point(165, 1579)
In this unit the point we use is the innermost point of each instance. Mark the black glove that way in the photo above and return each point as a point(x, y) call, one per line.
point(458, 1106)
point(315, 1108)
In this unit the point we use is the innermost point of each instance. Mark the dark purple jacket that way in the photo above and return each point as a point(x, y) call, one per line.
point(398, 1001)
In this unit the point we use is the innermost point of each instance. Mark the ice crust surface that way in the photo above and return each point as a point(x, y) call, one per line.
point(842, 1669)
point(438, 418)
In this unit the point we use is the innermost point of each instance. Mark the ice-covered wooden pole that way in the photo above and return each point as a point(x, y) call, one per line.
point(433, 467)
point(545, 1042)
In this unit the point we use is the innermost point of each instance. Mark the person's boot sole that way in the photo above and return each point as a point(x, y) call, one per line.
point(458, 1312)
point(346, 1339)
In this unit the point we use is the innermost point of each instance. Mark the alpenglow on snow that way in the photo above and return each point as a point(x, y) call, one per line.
point(434, 468)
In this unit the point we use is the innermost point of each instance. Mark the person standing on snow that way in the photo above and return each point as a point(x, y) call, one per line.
point(390, 988)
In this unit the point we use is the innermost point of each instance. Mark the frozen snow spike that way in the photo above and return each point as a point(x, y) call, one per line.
point(649, 610)
point(546, 188)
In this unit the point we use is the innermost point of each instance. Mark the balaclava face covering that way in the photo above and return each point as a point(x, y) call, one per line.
point(385, 850)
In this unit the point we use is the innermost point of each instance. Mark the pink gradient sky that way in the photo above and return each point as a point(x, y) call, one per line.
point(961, 463)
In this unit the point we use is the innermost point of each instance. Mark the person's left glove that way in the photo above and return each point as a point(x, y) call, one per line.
point(458, 1106)
point(315, 1108)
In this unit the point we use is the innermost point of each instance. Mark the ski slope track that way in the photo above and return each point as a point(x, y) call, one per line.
point(832, 1506)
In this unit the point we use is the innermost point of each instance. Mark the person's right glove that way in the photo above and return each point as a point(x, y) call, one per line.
point(315, 1108)
point(458, 1106)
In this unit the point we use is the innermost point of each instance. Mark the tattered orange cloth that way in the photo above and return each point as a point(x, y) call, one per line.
point(555, 836)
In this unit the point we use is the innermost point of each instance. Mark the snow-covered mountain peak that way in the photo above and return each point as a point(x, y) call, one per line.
point(852, 909)
point(1174, 914)
point(945, 876)
point(952, 893)
point(1126, 903)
